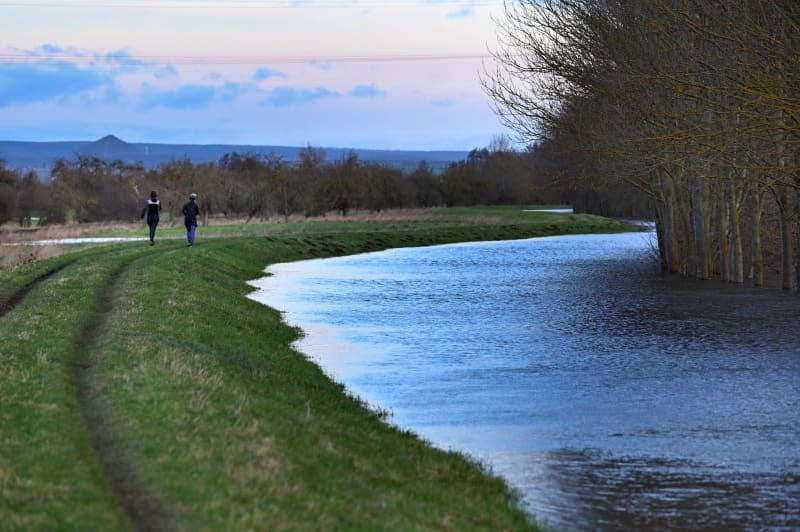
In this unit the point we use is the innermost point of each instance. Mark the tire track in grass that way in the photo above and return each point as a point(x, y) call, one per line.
point(145, 509)
point(16, 298)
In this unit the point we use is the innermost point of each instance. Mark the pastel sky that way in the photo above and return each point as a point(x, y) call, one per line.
point(392, 74)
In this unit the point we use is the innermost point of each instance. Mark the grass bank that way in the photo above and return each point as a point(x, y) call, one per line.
point(141, 389)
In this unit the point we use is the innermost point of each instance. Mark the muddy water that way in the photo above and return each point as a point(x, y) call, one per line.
point(609, 396)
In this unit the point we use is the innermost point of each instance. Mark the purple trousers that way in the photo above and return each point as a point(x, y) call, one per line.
point(190, 230)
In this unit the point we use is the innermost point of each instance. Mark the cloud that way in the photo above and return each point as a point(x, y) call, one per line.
point(51, 49)
point(41, 82)
point(167, 71)
point(185, 97)
point(286, 96)
point(194, 96)
point(325, 67)
point(116, 61)
point(230, 91)
point(264, 73)
point(461, 13)
point(367, 91)
point(113, 95)
point(124, 58)
point(443, 102)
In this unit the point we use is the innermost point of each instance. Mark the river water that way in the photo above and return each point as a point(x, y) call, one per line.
point(609, 396)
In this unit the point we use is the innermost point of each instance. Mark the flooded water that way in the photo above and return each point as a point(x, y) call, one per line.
point(609, 396)
point(80, 240)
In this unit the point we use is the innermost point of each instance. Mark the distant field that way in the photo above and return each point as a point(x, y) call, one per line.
point(521, 218)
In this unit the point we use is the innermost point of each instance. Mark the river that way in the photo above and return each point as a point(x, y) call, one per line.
point(609, 396)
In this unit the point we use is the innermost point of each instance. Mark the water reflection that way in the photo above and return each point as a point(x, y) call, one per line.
point(613, 398)
point(600, 491)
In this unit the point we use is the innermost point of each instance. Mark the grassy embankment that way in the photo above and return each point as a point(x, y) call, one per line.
point(140, 388)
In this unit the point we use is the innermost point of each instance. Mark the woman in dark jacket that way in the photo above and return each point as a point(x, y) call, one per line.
point(152, 209)
point(190, 212)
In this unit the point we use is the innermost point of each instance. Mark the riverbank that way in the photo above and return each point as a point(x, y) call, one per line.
point(15, 248)
point(141, 389)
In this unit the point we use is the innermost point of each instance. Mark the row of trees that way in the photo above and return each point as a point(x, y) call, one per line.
point(693, 103)
point(89, 189)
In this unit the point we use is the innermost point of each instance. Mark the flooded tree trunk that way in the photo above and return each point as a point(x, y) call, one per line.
point(737, 257)
point(666, 225)
point(724, 234)
point(787, 238)
point(672, 241)
point(734, 199)
point(783, 198)
point(797, 232)
point(708, 244)
point(755, 241)
point(700, 222)
point(661, 237)
point(688, 256)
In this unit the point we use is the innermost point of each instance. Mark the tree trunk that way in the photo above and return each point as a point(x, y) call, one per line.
point(737, 257)
point(758, 255)
point(724, 234)
point(689, 262)
point(797, 232)
point(708, 237)
point(661, 236)
point(700, 219)
point(787, 238)
point(671, 227)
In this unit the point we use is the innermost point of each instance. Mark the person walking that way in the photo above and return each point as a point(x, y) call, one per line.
point(190, 212)
point(151, 209)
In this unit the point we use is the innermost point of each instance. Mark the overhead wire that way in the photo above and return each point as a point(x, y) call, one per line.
point(248, 4)
point(111, 60)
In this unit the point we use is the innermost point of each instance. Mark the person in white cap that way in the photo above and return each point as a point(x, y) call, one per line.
point(190, 212)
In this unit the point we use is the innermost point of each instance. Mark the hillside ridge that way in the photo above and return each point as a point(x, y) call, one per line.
point(40, 156)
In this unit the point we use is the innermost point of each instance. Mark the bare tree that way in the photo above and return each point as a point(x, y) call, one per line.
point(9, 190)
point(692, 103)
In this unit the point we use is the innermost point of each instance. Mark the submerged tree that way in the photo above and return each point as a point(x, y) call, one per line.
point(692, 103)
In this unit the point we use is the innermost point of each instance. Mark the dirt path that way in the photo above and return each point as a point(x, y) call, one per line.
point(146, 509)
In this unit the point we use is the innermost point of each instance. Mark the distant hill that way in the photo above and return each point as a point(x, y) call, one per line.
point(40, 156)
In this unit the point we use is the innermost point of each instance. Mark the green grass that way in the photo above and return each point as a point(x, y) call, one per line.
point(212, 411)
point(411, 220)
point(48, 478)
point(522, 212)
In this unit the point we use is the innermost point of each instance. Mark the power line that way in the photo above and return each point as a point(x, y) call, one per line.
point(248, 4)
point(112, 61)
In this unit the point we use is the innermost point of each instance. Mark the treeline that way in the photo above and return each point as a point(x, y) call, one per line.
point(693, 103)
point(89, 189)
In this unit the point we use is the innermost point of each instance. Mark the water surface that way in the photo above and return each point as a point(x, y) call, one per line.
point(609, 396)
point(80, 240)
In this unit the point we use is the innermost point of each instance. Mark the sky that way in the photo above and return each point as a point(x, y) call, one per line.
point(391, 74)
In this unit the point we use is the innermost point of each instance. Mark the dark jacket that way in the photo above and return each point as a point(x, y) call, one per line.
point(151, 209)
point(190, 212)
